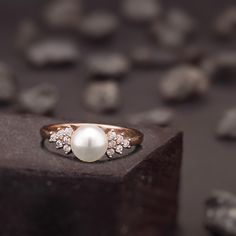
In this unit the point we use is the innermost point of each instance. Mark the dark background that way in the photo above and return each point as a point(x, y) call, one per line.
point(208, 163)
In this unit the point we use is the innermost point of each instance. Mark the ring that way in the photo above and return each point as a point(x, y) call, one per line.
point(90, 142)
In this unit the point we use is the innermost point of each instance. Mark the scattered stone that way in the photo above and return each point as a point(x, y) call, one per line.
point(195, 53)
point(181, 21)
point(174, 30)
point(98, 25)
point(153, 57)
point(183, 82)
point(220, 213)
point(161, 117)
point(107, 65)
point(226, 23)
point(7, 84)
point(40, 100)
point(168, 36)
point(102, 96)
point(227, 126)
point(28, 32)
point(62, 14)
point(220, 63)
point(141, 11)
point(52, 52)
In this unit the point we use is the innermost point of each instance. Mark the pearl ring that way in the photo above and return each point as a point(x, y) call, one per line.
point(90, 142)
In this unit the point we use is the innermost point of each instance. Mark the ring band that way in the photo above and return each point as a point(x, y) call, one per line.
point(90, 142)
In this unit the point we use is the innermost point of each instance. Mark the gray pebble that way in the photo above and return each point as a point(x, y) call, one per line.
point(62, 14)
point(174, 30)
point(102, 96)
point(107, 64)
point(168, 36)
point(40, 100)
point(153, 57)
point(98, 25)
point(52, 52)
point(220, 63)
point(180, 20)
point(141, 11)
point(227, 126)
point(183, 82)
point(28, 32)
point(220, 213)
point(7, 84)
point(160, 116)
point(226, 22)
point(195, 53)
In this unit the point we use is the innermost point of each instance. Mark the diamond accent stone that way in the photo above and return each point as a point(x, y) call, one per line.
point(53, 138)
point(110, 152)
point(111, 135)
point(126, 143)
point(117, 143)
point(119, 139)
point(66, 140)
point(67, 149)
point(59, 144)
point(112, 144)
point(62, 139)
point(119, 149)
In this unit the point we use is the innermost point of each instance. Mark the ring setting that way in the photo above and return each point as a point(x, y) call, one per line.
point(90, 142)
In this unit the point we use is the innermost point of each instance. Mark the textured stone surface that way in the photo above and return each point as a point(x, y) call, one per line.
point(38, 187)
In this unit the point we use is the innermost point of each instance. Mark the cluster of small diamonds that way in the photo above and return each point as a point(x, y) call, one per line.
point(62, 139)
point(116, 143)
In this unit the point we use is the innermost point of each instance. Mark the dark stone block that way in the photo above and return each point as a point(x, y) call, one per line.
point(42, 193)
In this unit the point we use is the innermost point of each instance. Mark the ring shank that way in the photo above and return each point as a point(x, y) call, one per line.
point(135, 136)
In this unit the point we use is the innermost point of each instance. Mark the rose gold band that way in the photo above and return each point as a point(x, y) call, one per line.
point(135, 136)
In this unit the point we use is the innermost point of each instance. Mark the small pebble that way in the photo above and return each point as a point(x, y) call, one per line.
point(180, 20)
point(52, 52)
point(168, 36)
point(183, 82)
point(107, 65)
point(160, 116)
point(28, 32)
point(227, 126)
point(40, 100)
point(195, 53)
point(141, 11)
point(98, 25)
point(7, 84)
point(221, 63)
point(220, 213)
point(153, 57)
point(174, 30)
point(62, 14)
point(102, 96)
point(225, 25)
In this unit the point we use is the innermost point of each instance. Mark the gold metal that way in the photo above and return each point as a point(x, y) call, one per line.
point(135, 136)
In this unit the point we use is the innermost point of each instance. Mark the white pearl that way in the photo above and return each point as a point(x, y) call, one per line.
point(89, 143)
